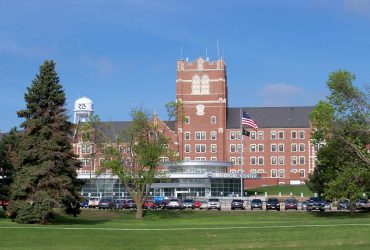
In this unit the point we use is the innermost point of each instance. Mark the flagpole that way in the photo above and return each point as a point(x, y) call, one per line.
point(241, 155)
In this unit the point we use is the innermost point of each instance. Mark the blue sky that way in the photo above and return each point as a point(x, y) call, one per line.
point(122, 54)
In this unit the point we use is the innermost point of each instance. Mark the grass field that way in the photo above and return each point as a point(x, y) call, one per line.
point(97, 229)
point(285, 190)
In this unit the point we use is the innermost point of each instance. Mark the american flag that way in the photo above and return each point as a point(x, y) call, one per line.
point(247, 120)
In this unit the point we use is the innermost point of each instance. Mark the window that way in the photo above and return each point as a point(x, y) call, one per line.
point(281, 134)
point(163, 159)
point(260, 147)
point(281, 160)
point(253, 135)
point(213, 158)
point(213, 119)
point(253, 171)
point(260, 135)
point(187, 159)
point(200, 148)
point(232, 135)
point(260, 171)
point(85, 162)
point(252, 148)
point(301, 160)
point(200, 135)
point(195, 86)
point(240, 161)
point(273, 160)
point(273, 135)
point(232, 171)
point(301, 173)
point(240, 148)
point(232, 148)
point(294, 134)
point(301, 134)
point(187, 135)
point(213, 135)
point(239, 135)
point(294, 147)
point(294, 160)
point(281, 173)
point(273, 173)
point(204, 85)
point(232, 159)
point(101, 161)
point(301, 147)
point(187, 120)
point(260, 160)
point(253, 160)
point(85, 149)
point(187, 148)
point(281, 147)
point(273, 147)
point(213, 148)
point(200, 158)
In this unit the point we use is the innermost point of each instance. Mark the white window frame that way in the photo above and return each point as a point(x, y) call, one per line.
point(276, 147)
point(263, 160)
point(274, 158)
point(273, 135)
point(273, 172)
point(251, 159)
point(294, 160)
point(200, 135)
point(213, 148)
point(252, 135)
point(232, 135)
point(187, 159)
point(260, 135)
point(200, 148)
point(233, 160)
point(187, 148)
point(240, 148)
point(213, 135)
point(301, 132)
point(293, 147)
point(232, 148)
point(302, 147)
point(283, 173)
point(283, 146)
point(200, 158)
point(187, 136)
point(187, 119)
point(302, 171)
point(213, 119)
point(252, 148)
point(281, 160)
point(213, 158)
point(300, 161)
point(281, 138)
point(263, 147)
point(293, 132)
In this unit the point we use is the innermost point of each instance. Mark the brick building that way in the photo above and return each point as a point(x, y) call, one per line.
point(279, 152)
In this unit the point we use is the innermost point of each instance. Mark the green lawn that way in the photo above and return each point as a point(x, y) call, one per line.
point(285, 190)
point(96, 229)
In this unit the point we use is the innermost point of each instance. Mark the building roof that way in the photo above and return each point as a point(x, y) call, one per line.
point(272, 117)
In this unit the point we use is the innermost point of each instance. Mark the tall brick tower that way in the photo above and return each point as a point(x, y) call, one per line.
point(201, 86)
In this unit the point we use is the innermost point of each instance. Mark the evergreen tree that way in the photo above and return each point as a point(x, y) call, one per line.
point(46, 168)
point(8, 146)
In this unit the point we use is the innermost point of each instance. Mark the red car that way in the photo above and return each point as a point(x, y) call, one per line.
point(149, 204)
point(197, 204)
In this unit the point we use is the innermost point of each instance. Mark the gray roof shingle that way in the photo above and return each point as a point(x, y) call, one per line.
point(272, 117)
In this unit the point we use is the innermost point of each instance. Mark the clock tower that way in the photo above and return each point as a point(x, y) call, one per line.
point(201, 86)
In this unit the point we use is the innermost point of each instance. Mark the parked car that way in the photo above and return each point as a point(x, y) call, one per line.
point(361, 204)
point(204, 205)
point(316, 203)
point(174, 204)
point(291, 203)
point(163, 204)
point(327, 205)
point(343, 204)
point(197, 204)
point(272, 204)
point(85, 204)
point(119, 203)
point(188, 203)
point(237, 204)
point(93, 202)
point(149, 204)
point(130, 204)
point(4, 204)
point(256, 203)
point(214, 203)
point(106, 203)
point(304, 205)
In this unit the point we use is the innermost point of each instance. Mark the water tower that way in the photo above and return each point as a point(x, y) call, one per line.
point(83, 109)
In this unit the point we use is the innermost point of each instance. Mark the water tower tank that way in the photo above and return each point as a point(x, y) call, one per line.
point(83, 109)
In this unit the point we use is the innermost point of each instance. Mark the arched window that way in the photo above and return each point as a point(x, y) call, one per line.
point(204, 86)
point(195, 87)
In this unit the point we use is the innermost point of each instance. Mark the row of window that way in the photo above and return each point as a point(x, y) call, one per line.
point(274, 160)
point(187, 120)
point(201, 135)
point(201, 148)
point(273, 173)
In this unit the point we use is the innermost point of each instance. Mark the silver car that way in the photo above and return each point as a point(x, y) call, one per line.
point(174, 204)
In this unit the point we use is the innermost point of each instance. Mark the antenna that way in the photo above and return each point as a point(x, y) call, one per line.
point(207, 59)
point(218, 51)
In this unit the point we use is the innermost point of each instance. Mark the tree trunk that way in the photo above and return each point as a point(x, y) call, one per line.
point(139, 212)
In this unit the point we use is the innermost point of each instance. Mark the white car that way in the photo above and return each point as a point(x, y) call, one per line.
point(214, 203)
point(93, 202)
point(174, 204)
